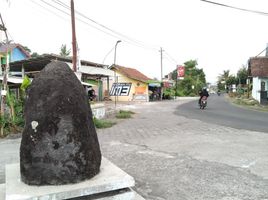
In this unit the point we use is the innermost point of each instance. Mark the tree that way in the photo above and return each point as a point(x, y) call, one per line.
point(194, 79)
point(242, 75)
point(34, 55)
point(64, 51)
point(231, 80)
point(222, 79)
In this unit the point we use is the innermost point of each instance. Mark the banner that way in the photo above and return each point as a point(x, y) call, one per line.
point(120, 89)
point(180, 71)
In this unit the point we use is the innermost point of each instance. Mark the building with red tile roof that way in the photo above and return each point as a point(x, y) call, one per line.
point(129, 84)
point(132, 73)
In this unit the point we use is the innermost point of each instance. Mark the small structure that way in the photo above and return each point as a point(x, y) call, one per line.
point(258, 69)
point(129, 84)
point(89, 70)
point(16, 52)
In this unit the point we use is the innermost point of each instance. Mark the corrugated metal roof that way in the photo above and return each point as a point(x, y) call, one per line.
point(93, 70)
point(19, 80)
point(38, 63)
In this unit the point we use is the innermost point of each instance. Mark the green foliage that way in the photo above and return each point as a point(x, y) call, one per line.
point(5, 123)
point(101, 123)
point(25, 83)
point(193, 81)
point(64, 51)
point(123, 114)
point(13, 121)
point(242, 75)
point(226, 80)
point(231, 80)
point(169, 93)
point(34, 55)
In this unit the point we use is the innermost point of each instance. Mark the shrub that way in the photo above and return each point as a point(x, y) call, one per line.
point(123, 114)
point(101, 123)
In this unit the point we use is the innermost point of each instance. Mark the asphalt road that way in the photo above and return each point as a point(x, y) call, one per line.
point(220, 111)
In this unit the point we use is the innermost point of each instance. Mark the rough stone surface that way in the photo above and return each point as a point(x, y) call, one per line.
point(59, 142)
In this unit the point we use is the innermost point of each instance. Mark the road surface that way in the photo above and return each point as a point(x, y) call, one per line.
point(220, 111)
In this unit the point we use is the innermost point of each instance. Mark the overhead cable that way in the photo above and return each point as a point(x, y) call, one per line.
point(237, 8)
point(137, 42)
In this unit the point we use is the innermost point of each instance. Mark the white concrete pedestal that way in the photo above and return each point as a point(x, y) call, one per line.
point(111, 183)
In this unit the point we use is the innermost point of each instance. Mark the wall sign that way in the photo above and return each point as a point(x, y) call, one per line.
point(120, 89)
point(180, 72)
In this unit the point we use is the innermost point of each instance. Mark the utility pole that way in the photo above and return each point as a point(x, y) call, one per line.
point(3, 28)
point(74, 60)
point(6, 71)
point(161, 56)
point(161, 79)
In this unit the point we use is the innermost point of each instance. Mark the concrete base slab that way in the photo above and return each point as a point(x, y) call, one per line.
point(124, 194)
point(110, 178)
point(2, 191)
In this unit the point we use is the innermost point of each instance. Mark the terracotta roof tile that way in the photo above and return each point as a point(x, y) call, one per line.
point(132, 73)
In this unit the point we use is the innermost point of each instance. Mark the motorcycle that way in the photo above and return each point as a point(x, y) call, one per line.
point(219, 93)
point(203, 102)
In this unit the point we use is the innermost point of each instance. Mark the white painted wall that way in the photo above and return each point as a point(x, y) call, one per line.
point(256, 88)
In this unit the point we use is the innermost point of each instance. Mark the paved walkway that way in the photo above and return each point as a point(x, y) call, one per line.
point(175, 158)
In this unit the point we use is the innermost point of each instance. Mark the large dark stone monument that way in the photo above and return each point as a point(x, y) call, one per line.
point(59, 142)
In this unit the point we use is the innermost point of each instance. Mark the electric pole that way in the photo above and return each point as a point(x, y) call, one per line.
point(161, 78)
point(161, 57)
point(5, 76)
point(74, 60)
point(3, 28)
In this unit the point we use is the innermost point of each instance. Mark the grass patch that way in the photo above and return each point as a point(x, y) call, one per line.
point(124, 114)
point(102, 123)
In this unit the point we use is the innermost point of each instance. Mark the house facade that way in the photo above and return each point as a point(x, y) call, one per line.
point(16, 52)
point(128, 84)
point(258, 67)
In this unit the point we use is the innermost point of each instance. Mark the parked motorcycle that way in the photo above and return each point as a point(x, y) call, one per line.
point(203, 102)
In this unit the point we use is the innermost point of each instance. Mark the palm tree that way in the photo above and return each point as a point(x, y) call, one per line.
point(64, 51)
point(225, 76)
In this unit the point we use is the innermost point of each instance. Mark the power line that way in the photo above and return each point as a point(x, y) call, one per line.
point(137, 42)
point(170, 57)
point(66, 13)
point(237, 8)
point(48, 10)
point(107, 30)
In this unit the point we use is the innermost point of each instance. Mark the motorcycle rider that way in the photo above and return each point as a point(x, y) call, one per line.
point(219, 92)
point(203, 93)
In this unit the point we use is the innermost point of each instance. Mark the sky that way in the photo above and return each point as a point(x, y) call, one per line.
point(219, 38)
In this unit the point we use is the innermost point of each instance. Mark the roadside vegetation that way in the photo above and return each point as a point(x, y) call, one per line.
point(241, 95)
point(103, 123)
point(124, 114)
point(12, 120)
point(194, 80)
point(107, 123)
point(243, 100)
